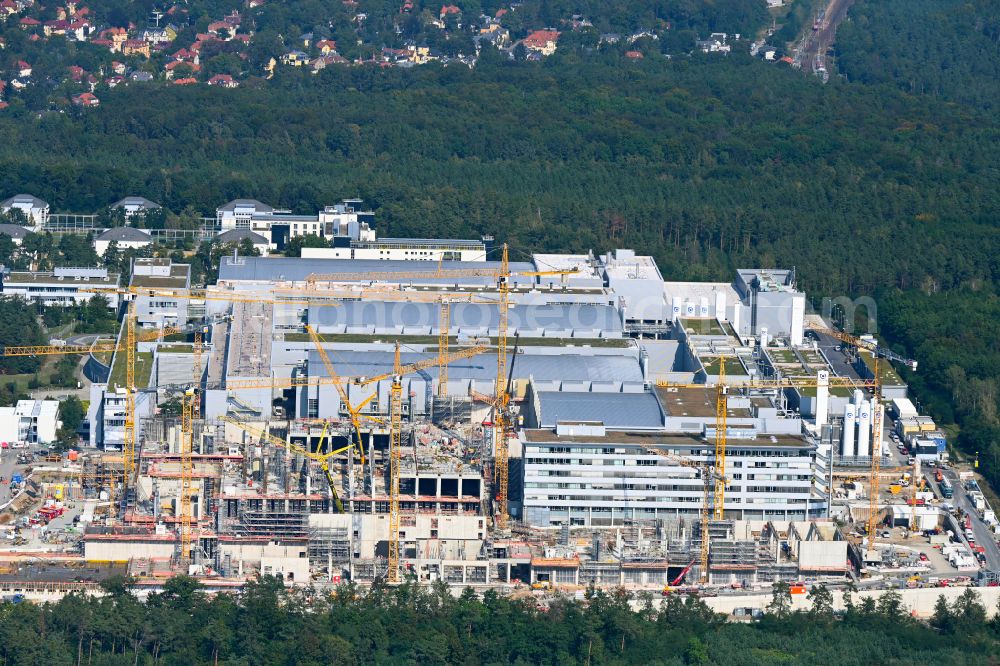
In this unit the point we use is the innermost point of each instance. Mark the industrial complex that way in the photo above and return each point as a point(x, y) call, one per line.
point(387, 409)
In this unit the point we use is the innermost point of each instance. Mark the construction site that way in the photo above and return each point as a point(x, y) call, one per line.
point(560, 422)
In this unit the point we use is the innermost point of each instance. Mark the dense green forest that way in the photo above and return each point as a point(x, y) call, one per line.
point(947, 49)
point(709, 163)
point(882, 184)
point(410, 625)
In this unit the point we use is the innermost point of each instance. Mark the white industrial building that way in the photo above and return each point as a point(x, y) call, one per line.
point(157, 311)
point(30, 421)
point(61, 286)
point(346, 220)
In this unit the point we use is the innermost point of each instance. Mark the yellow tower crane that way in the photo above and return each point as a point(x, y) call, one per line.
point(444, 326)
point(721, 426)
point(322, 458)
point(878, 352)
point(707, 474)
point(395, 453)
point(354, 412)
point(187, 471)
point(502, 396)
point(128, 448)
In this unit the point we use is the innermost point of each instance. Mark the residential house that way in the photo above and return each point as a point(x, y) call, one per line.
point(86, 99)
point(117, 36)
point(324, 61)
point(80, 30)
point(15, 231)
point(113, 81)
point(32, 208)
point(141, 76)
point(23, 70)
point(237, 236)
point(125, 238)
point(542, 41)
point(118, 67)
point(58, 27)
point(294, 58)
point(135, 206)
point(159, 35)
point(223, 81)
point(135, 47)
point(634, 55)
point(29, 23)
point(189, 81)
point(8, 8)
point(326, 46)
point(171, 67)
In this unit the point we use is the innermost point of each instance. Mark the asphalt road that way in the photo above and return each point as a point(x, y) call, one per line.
point(838, 359)
point(984, 535)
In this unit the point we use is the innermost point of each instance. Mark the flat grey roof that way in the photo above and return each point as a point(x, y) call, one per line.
point(65, 282)
point(468, 316)
point(298, 269)
point(615, 410)
point(543, 367)
point(425, 242)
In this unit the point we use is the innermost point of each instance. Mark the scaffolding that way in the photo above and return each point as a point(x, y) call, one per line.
point(329, 545)
point(451, 409)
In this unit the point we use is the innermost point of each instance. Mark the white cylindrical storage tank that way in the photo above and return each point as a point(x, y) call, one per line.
point(689, 309)
point(676, 304)
point(864, 428)
point(859, 396)
point(720, 305)
point(703, 309)
point(764, 338)
point(847, 435)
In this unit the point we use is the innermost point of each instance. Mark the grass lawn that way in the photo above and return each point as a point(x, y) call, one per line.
point(143, 369)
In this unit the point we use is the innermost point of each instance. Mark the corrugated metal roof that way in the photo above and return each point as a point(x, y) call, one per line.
point(543, 367)
point(561, 316)
point(614, 410)
point(298, 269)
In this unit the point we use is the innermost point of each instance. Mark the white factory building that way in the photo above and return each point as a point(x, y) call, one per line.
point(30, 421)
point(60, 286)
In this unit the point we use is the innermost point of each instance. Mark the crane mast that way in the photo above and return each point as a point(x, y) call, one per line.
point(443, 325)
point(500, 417)
point(874, 479)
point(187, 471)
point(128, 448)
point(395, 451)
point(721, 426)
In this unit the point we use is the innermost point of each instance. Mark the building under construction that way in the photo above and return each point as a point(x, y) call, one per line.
point(571, 419)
